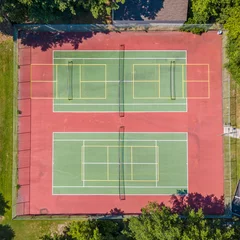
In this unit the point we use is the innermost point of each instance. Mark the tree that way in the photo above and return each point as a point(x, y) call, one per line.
point(160, 222)
point(91, 230)
point(96, 230)
point(47, 11)
point(225, 12)
point(156, 222)
point(196, 226)
point(3, 205)
point(233, 43)
point(6, 232)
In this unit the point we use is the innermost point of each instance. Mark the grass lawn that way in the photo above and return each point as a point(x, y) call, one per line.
point(28, 229)
point(234, 164)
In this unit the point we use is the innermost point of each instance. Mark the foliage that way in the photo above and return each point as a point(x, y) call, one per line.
point(46, 11)
point(157, 222)
point(3, 205)
point(6, 232)
point(226, 13)
point(199, 29)
point(195, 226)
point(92, 230)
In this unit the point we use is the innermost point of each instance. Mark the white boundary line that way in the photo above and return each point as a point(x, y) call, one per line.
point(83, 163)
point(122, 58)
point(156, 162)
point(114, 140)
point(77, 111)
point(127, 132)
point(137, 194)
point(113, 104)
point(118, 186)
point(53, 86)
point(136, 50)
point(52, 160)
point(187, 164)
point(186, 83)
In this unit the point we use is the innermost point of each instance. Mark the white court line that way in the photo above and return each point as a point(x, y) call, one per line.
point(115, 104)
point(127, 132)
point(187, 164)
point(52, 160)
point(77, 111)
point(120, 58)
point(83, 163)
point(185, 51)
point(110, 194)
point(156, 157)
point(118, 186)
point(106, 163)
point(97, 163)
point(114, 140)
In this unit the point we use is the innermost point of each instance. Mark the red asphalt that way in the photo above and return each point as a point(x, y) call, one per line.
point(203, 122)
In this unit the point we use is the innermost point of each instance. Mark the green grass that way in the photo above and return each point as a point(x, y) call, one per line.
point(6, 116)
point(23, 229)
point(235, 121)
point(232, 157)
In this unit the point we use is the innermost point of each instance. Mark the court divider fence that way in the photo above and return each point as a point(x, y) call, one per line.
point(24, 34)
point(230, 144)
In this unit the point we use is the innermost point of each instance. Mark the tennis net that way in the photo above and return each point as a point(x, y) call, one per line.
point(70, 80)
point(121, 164)
point(121, 80)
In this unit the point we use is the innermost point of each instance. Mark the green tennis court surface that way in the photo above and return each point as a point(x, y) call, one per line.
point(117, 163)
point(112, 81)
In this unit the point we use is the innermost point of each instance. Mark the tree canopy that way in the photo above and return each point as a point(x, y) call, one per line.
point(47, 11)
point(155, 222)
point(227, 13)
point(6, 232)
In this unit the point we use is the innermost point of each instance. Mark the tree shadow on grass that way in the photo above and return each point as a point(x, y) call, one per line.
point(3, 205)
point(6, 232)
point(46, 40)
point(139, 10)
point(210, 204)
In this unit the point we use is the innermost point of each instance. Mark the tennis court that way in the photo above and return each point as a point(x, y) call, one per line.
point(102, 122)
point(120, 163)
point(112, 81)
point(133, 80)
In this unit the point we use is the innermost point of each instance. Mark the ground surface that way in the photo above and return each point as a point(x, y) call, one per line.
point(202, 122)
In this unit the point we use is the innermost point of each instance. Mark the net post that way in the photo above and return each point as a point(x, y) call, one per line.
point(121, 163)
point(121, 80)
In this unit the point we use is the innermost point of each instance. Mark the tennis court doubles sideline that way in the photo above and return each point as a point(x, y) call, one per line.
point(120, 163)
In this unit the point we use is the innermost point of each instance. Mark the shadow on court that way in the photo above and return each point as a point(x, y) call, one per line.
point(116, 212)
point(210, 204)
point(46, 40)
point(138, 10)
